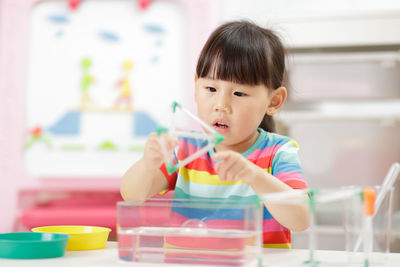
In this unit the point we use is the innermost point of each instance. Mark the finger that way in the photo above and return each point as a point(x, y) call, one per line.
point(164, 140)
point(221, 155)
point(236, 172)
point(223, 164)
point(218, 169)
point(221, 171)
point(152, 145)
point(152, 135)
point(238, 167)
point(218, 166)
point(226, 166)
point(230, 174)
point(172, 143)
point(168, 142)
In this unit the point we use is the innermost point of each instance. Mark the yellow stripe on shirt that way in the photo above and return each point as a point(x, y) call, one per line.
point(203, 177)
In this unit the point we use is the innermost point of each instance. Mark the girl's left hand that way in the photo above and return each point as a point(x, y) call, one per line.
point(233, 167)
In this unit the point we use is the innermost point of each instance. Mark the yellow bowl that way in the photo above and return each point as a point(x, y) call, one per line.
point(82, 237)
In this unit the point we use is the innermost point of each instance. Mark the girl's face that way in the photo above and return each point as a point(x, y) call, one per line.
point(234, 110)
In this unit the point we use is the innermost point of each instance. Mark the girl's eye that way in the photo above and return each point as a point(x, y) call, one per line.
point(239, 94)
point(211, 89)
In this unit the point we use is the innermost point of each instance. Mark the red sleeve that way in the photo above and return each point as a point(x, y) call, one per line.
point(297, 184)
point(171, 178)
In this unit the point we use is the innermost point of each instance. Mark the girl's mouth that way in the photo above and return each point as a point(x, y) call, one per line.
point(221, 127)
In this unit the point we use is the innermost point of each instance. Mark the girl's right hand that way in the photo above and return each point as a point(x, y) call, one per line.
point(153, 153)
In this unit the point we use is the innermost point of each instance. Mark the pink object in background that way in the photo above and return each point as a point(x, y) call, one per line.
point(144, 4)
point(74, 4)
point(59, 207)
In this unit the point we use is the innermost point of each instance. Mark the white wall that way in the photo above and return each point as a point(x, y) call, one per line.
point(311, 23)
point(261, 10)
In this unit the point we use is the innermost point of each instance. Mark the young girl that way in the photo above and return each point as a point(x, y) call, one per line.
point(238, 87)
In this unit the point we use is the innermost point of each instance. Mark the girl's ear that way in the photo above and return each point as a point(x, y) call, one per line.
point(277, 98)
point(195, 78)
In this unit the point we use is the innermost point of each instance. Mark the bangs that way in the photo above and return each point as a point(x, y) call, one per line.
point(230, 58)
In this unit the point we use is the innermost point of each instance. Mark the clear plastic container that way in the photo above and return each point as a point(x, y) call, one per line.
point(198, 231)
point(337, 223)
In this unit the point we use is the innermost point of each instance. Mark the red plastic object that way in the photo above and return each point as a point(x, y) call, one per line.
point(144, 4)
point(74, 4)
point(104, 216)
point(84, 208)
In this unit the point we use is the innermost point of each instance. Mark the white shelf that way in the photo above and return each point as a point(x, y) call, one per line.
point(341, 29)
point(374, 110)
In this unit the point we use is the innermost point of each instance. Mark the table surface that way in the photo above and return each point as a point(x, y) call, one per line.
point(271, 257)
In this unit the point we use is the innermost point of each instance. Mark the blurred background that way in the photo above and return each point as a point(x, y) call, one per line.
point(82, 83)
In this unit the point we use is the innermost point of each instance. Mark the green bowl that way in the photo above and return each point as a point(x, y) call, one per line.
point(27, 245)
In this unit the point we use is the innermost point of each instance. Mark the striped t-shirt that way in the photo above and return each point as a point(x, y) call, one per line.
point(274, 153)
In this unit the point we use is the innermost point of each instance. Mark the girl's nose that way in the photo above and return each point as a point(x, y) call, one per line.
point(221, 108)
point(222, 104)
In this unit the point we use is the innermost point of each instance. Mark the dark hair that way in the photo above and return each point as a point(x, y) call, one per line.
point(244, 53)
